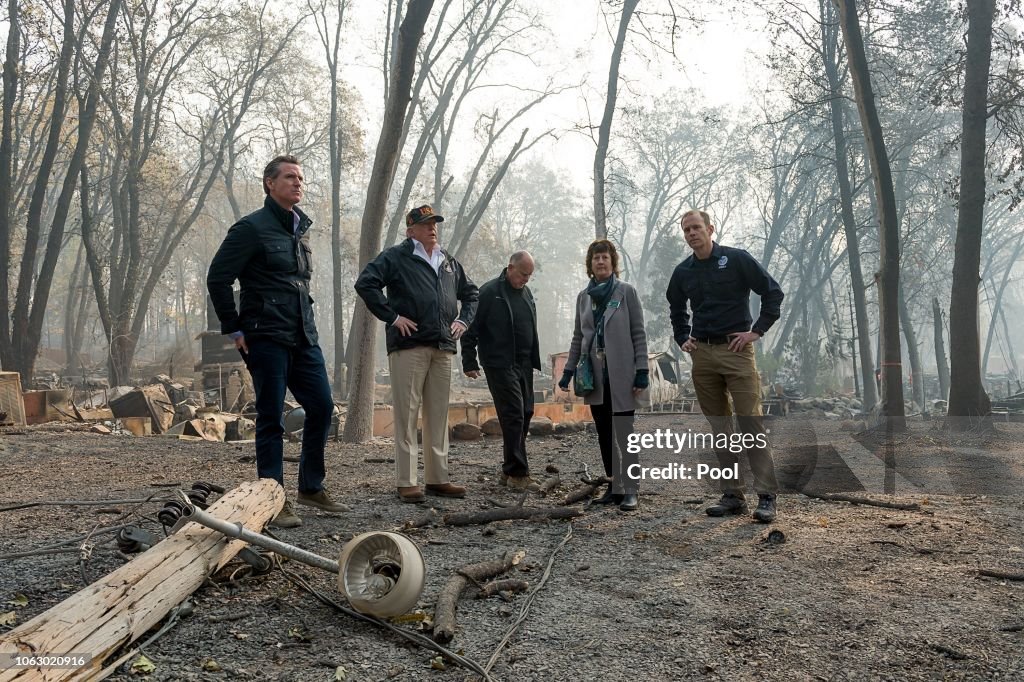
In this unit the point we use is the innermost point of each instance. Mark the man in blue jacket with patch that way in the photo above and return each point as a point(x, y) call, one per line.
point(273, 329)
point(716, 282)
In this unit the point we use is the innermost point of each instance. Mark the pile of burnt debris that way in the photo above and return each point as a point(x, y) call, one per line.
point(161, 406)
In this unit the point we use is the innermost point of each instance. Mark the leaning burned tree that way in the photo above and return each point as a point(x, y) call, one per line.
point(830, 58)
point(359, 423)
point(889, 237)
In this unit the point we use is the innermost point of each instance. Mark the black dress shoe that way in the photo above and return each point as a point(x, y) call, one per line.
point(630, 501)
point(608, 498)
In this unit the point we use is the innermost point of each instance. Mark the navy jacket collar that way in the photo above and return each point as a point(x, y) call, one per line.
point(285, 217)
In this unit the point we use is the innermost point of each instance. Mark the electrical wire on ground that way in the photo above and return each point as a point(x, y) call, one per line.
point(413, 637)
point(528, 602)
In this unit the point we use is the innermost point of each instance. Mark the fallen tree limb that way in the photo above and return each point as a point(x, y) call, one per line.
point(948, 652)
point(507, 513)
point(448, 599)
point(586, 491)
point(497, 586)
point(428, 518)
point(228, 617)
point(549, 484)
point(854, 499)
point(122, 606)
point(1003, 575)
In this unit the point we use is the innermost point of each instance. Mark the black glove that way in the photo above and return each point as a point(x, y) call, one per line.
point(642, 379)
point(563, 383)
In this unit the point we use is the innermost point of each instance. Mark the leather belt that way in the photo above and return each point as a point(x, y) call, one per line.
point(714, 340)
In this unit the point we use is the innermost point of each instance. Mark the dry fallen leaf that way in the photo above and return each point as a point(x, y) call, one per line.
point(437, 663)
point(339, 673)
point(142, 665)
point(211, 665)
point(298, 634)
point(8, 618)
point(19, 600)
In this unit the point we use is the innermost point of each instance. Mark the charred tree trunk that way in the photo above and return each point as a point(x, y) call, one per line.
point(997, 302)
point(359, 424)
point(1009, 346)
point(889, 238)
point(10, 79)
point(74, 307)
point(24, 335)
point(332, 49)
point(916, 370)
point(941, 363)
point(121, 354)
point(604, 132)
point(968, 402)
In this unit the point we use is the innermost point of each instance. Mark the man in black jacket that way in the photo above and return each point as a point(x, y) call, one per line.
point(421, 310)
point(716, 281)
point(268, 253)
point(505, 328)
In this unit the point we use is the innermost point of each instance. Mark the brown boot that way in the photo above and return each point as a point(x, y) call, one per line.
point(522, 483)
point(411, 494)
point(287, 518)
point(446, 490)
point(321, 500)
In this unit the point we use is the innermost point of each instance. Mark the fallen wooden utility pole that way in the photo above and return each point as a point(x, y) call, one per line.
point(120, 607)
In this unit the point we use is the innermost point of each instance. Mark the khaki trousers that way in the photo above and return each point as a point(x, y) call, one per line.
point(719, 373)
point(421, 376)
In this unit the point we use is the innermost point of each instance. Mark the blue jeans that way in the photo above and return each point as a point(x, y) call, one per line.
point(275, 367)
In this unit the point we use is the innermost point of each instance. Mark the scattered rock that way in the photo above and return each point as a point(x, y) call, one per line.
point(541, 426)
point(466, 431)
point(491, 427)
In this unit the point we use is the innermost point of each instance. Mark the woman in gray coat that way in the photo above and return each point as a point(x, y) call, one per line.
point(610, 323)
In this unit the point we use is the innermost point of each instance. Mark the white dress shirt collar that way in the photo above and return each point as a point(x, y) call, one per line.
point(434, 259)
